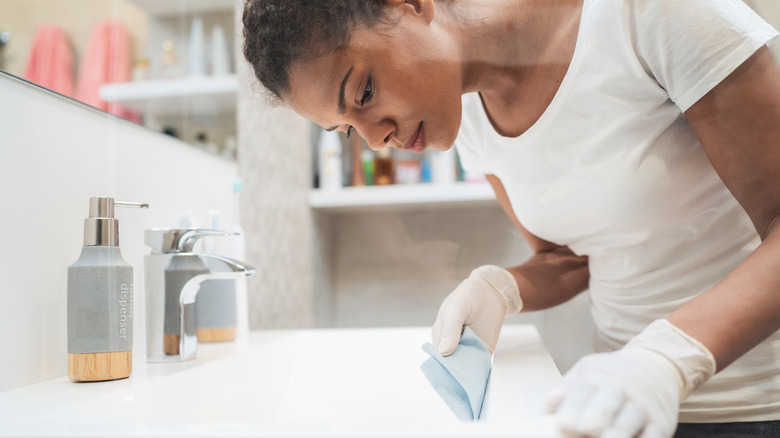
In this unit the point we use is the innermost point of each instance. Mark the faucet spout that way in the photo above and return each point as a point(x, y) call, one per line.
point(221, 268)
point(173, 276)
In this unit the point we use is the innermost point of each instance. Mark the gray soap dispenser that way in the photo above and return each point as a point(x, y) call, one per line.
point(100, 300)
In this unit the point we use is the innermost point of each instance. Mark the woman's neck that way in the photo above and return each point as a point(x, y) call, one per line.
point(515, 53)
point(505, 43)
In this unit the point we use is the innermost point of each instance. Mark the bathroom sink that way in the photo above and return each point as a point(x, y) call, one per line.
point(329, 382)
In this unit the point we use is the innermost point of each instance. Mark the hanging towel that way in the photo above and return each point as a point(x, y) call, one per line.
point(50, 63)
point(106, 60)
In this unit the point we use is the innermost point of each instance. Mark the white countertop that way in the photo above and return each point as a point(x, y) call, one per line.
point(319, 382)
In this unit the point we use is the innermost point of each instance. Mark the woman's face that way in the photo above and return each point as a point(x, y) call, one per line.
point(397, 85)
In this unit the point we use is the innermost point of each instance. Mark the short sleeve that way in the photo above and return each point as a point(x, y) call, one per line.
point(470, 142)
point(690, 46)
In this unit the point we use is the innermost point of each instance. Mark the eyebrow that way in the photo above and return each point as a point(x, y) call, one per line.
point(342, 104)
point(342, 108)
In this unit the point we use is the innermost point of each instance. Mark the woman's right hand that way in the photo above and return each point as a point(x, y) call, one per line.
point(481, 301)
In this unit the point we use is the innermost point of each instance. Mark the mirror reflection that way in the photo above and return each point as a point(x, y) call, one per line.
point(168, 65)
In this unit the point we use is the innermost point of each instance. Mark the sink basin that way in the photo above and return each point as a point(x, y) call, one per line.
point(330, 382)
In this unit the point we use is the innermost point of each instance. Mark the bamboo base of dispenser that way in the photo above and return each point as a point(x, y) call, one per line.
point(222, 334)
point(171, 344)
point(96, 367)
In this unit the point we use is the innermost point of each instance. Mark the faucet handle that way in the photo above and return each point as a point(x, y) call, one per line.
point(176, 240)
point(189, 237)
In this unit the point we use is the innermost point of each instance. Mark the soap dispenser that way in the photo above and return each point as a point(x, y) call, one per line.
point(215, 307)
point(100, 300)
point(179, 271)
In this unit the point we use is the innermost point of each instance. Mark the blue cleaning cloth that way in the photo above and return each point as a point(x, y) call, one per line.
point(461, 378)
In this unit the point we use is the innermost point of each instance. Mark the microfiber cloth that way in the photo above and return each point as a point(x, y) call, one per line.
point(461, 378)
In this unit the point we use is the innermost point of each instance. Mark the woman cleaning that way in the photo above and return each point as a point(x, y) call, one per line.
point(634, 143)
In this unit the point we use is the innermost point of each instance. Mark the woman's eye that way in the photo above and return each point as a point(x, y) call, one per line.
point(367, 93)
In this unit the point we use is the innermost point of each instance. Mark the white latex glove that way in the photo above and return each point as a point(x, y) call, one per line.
point(481, 301)
point(635, 391)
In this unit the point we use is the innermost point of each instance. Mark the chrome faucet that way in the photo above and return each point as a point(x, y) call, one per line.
point(173, 275)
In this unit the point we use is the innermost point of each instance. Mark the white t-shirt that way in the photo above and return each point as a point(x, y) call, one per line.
point(613, 170)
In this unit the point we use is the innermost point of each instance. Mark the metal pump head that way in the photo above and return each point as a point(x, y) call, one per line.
point(101, 228)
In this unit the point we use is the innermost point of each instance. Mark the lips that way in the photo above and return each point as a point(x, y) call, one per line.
point(416, 143)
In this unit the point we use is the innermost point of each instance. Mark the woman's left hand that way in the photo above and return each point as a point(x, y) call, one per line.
point(635, 391)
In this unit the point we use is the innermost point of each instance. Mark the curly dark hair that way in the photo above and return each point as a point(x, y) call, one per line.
point(278, 33)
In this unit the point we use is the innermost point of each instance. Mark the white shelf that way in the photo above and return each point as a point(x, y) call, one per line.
point(163, 8)
point(173, 96)
point(402, 195)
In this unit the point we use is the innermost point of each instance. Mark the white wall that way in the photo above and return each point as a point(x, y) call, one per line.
point(54, 155)
point(275, 163)
point(394, 267)
point(770, 11)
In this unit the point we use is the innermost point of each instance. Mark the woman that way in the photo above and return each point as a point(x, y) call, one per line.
point(633, 142)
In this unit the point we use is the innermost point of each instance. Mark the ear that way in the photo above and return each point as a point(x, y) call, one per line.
point(425, 9)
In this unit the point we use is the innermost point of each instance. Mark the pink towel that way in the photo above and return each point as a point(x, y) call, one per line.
point(106, 60)
point(50, 63)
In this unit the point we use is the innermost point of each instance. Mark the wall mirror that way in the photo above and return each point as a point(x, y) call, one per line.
point(164, 64)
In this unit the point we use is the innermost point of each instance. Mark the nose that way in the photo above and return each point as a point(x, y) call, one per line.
point(377, 135)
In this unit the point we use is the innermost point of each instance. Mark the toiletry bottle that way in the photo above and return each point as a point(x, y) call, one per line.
point(215, 305)
point(383, 167)
point(220, 52)
point(237, 250)
point(196, 46)
point(444, 167)
point(179, 271)
point(358, 177)
point(368, 166)
point(330, 161)
point(169, 67)
point(100, 300)
point(215, 311)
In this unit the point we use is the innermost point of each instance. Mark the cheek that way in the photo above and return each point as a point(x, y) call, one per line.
point(446, 108)
point(445, 118)
point(432, 94)
point(448, 132)
point(442, 123)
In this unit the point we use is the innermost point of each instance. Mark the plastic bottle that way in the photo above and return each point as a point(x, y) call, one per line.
point(215, 305)
point(368, 166)
point(220, 57)
point(178, 272)
point(443, 166)
point(169, 66)
point(330, 161)
point(197, 58)
point(237, 250)
point(383, 167)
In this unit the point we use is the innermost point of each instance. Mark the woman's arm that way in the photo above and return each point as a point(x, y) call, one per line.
point(738, 125)
point(553, 275)
point(490, 293)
